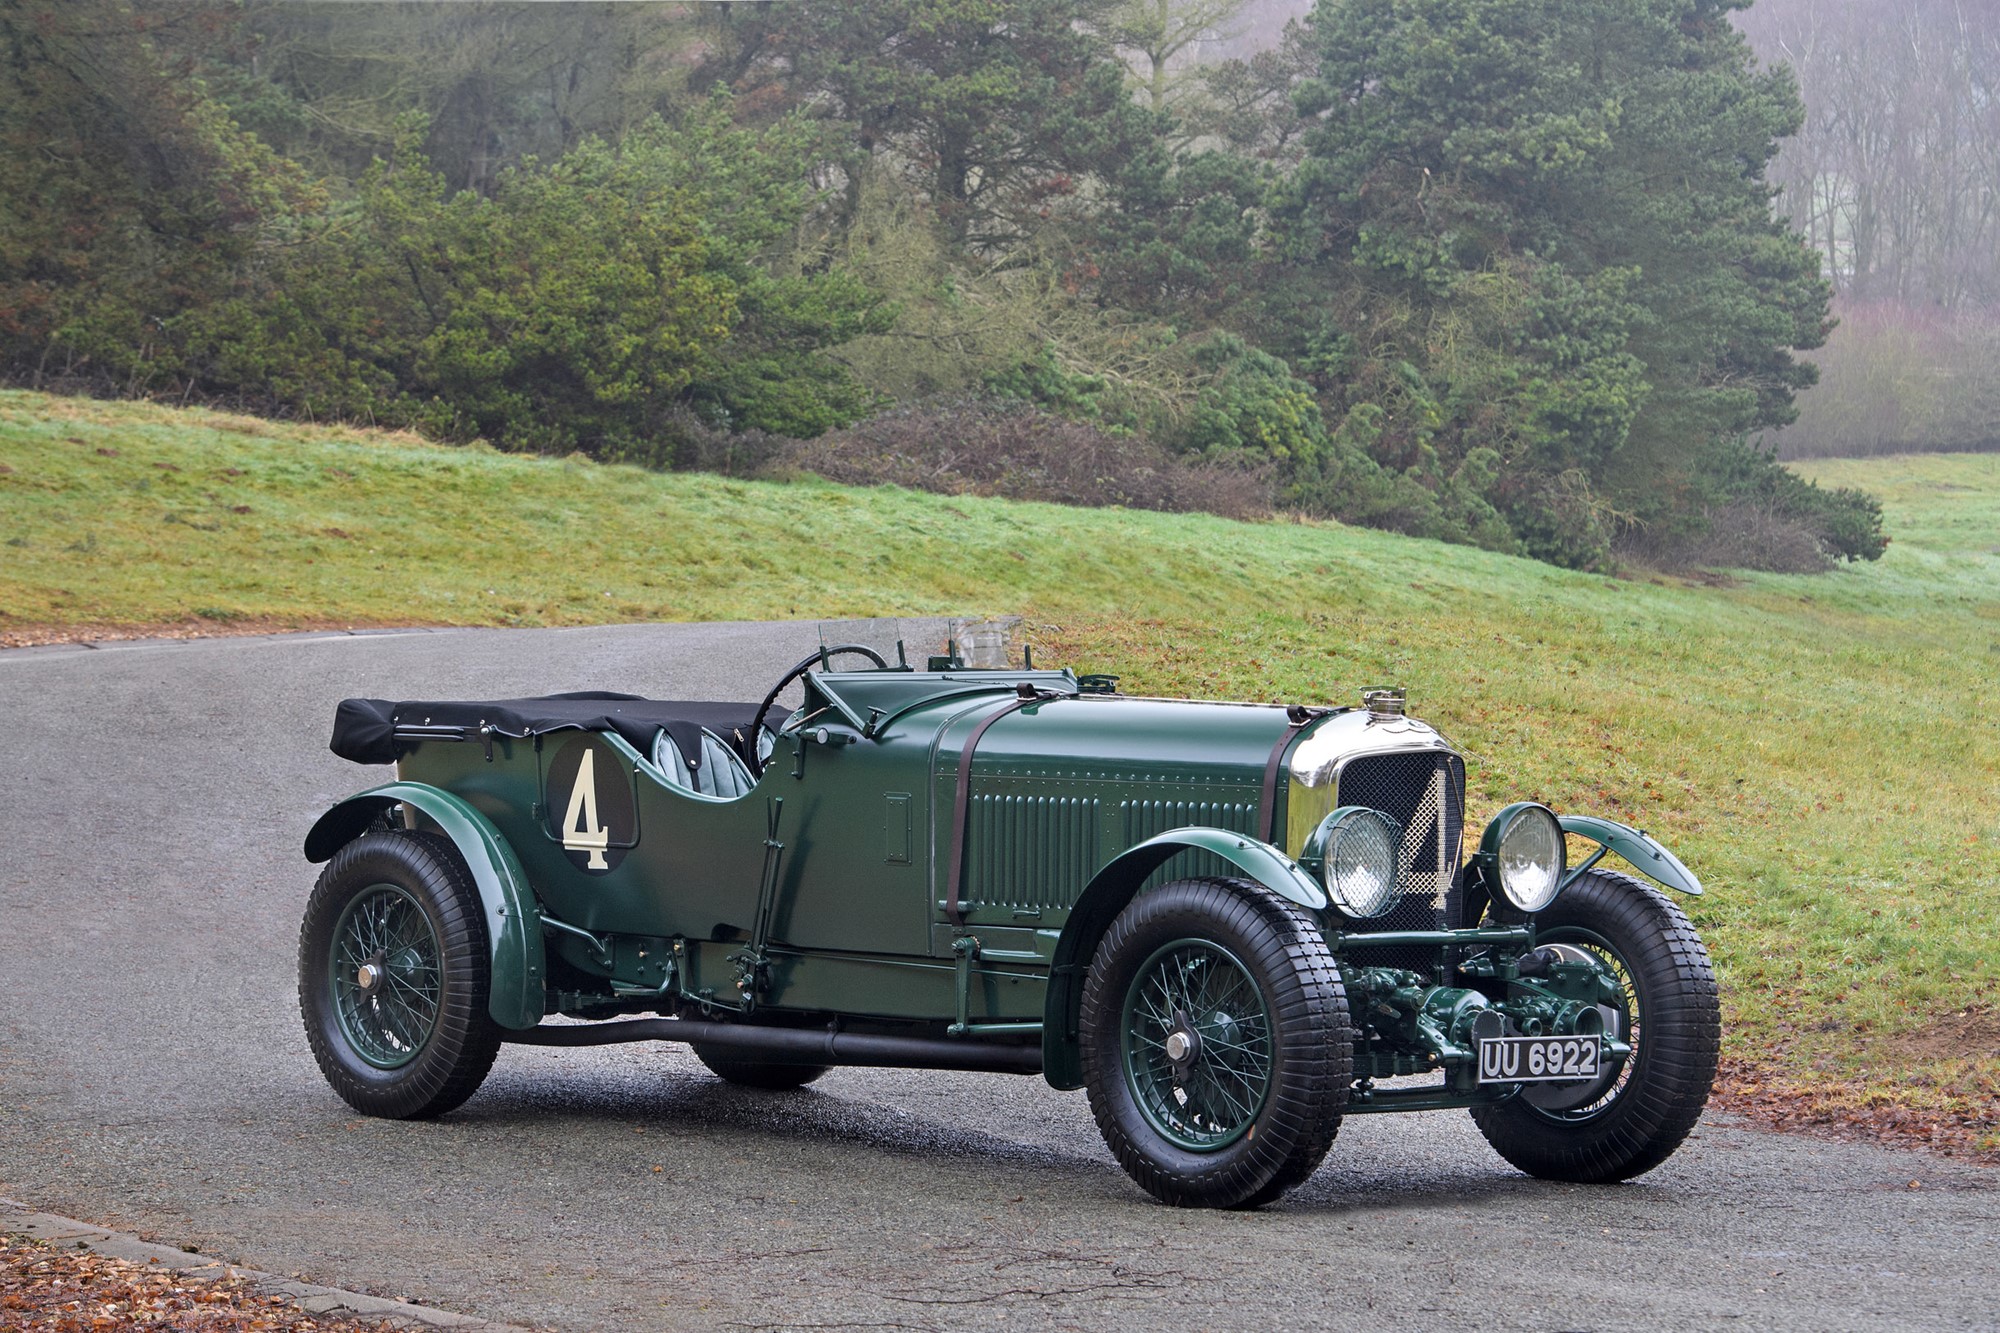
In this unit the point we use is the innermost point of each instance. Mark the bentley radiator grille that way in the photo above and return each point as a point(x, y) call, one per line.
point(1425, 795)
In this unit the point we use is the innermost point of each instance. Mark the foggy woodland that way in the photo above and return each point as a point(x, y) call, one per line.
point(1554, 277)
point(1895, 178)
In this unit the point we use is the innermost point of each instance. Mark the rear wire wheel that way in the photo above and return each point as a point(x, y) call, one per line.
point(1217, 1052)
point(1633, 1117)
point(394, 976)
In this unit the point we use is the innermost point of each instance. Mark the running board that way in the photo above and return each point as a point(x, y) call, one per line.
point(808, 1046)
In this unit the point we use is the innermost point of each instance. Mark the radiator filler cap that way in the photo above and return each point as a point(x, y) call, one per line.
point(1384, 702)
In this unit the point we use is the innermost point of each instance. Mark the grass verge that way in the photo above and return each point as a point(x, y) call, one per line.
point(1824, 750)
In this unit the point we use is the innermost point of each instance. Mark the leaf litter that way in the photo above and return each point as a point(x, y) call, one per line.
point(46, 1288)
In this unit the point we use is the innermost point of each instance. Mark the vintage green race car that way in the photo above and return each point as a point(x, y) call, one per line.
point(1232, 924)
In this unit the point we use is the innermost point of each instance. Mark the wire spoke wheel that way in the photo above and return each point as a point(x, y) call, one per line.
point(1623, 1020)
point(394, 976)
point(1216, 1044)
point(1663, 1005)
point(386, 972)
point(1197, 1045)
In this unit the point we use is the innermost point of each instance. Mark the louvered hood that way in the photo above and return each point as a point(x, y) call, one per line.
point(1117, 738)
point(1061, 787)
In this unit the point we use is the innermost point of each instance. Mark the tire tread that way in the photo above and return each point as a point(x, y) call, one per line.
point(466, 1040)
point(1308, 1004)
point(1680, 1034)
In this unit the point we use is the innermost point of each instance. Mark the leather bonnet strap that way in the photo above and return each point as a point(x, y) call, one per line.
point(954, 905)
point(1298, 718)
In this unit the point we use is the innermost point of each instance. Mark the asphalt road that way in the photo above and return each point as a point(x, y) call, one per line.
point(153, 1075)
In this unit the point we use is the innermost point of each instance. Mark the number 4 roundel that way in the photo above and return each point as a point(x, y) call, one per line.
point(588, 795)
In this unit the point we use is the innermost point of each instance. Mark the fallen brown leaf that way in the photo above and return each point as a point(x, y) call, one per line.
point(44, 1289)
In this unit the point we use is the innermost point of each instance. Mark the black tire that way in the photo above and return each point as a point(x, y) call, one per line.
point(1244, 947)
point(765, 1074)
point(415, 1039)
point(1633, 1119)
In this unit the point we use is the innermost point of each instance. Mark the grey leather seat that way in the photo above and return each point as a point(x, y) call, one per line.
point(720, 773)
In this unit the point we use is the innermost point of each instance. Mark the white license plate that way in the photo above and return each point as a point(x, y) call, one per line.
point(1538, 1059)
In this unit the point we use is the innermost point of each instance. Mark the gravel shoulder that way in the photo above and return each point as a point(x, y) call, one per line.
point(153, 1078)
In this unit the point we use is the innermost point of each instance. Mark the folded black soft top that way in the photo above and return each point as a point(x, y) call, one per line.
point(367, 730)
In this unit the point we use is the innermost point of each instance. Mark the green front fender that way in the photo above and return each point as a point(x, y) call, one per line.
point(1115, 885)
point(1637, 847)
point(513, 925)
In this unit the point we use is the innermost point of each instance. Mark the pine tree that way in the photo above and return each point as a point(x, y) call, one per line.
point(1534, 237)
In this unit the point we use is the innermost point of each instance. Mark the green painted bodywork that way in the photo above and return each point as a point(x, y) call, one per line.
point(825, 891)
point(1637, 847)
point(1258, 860)
point(1116, 885)
point(505, 893)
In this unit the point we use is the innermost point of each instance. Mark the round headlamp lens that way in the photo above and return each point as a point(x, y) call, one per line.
point(1359, 868)
point(1532, 858)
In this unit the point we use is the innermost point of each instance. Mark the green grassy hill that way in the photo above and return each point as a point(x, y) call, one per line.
point(1824, 750)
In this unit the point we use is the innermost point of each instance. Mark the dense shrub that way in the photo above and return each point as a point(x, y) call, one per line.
point(682, 441)
point(128, 198)
point(581, 305)
point(562, 313)
point(1215, 397)
point(1740, 535)
point(1016, 450)
point(1251, 410)
point(1421, 499)
point(1758, 514)
point(1478, 252)
point(1847, 522)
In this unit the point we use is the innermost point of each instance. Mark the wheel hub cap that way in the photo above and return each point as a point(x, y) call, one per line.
point(385, 975)
point(1197, 1045)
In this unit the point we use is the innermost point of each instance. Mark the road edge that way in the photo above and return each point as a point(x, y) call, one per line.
point(18, 1219)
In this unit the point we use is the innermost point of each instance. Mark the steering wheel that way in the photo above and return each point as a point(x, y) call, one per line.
point(805, 665)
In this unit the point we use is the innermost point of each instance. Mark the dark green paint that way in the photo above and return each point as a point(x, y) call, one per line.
point(820, 894)
point(1645, 854)
point(1123, 878)
point(505, 894)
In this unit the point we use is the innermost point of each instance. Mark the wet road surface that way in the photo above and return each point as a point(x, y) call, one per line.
point(153, 1075)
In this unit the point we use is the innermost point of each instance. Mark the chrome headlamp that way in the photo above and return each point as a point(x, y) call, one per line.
point(1523, 849)
point(1354, 852)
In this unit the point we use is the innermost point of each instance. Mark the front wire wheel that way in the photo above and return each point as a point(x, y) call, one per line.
point(1196, 1039)
point(1217, 1051)
point(1633, 1117)
point(394, 976)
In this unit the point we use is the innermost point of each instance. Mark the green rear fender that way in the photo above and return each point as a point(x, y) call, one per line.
point(1105, 897)
point(513, 924)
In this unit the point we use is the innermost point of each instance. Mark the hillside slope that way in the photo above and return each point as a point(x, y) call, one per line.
point(1825, 750)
